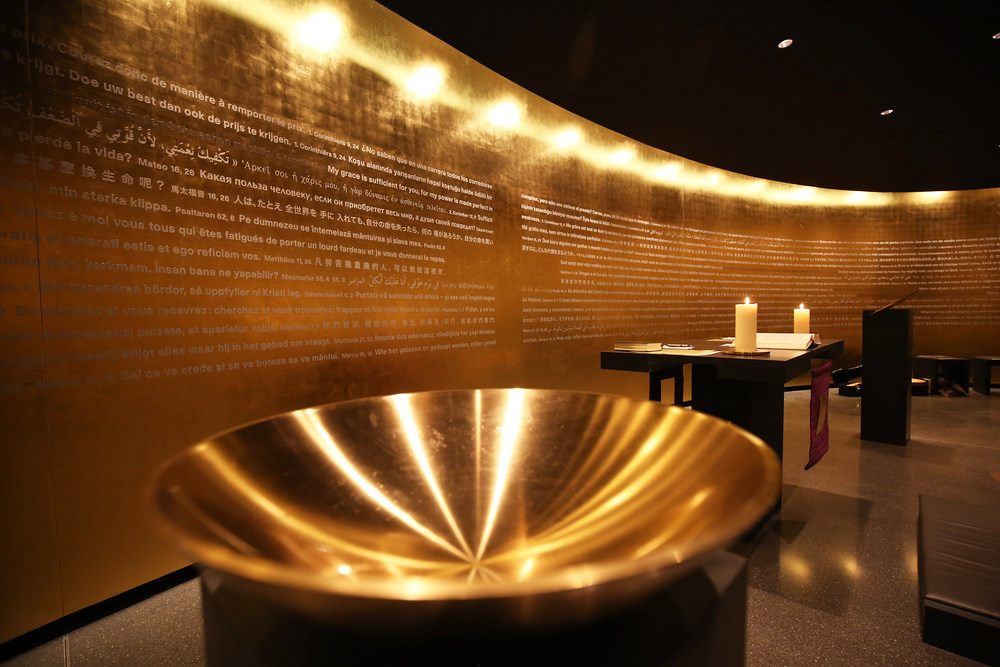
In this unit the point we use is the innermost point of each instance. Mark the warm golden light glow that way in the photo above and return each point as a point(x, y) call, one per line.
point(417, 447)
point(785, 43)
point(913, 564)
point(622, 156)
point(526, 569)
point(504, 114)
point(323, 29)
point(796, 566)
point(668, 171)
point(311, 423)
point(567, 138)
point(510, 431)
point(856, 197)
point(320, 31)
point(803, 194)
point(747, 301)
point(425, 82)
point(699, 498)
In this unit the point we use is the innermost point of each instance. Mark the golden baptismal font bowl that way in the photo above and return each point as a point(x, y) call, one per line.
point(467, 511)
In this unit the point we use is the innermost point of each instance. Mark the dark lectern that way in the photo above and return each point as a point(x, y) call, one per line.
point(886, 350)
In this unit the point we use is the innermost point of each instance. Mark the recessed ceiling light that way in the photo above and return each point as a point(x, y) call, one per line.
point(887, 112)
point(785, 43)
point(996, 36)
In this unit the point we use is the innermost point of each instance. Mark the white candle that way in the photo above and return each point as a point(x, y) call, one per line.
point(801, 319)
point(746, 327)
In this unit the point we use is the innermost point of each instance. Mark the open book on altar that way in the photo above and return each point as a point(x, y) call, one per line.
point(786, 341)
point(636, 346)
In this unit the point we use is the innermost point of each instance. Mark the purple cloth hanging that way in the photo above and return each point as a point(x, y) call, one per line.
point(819, 414)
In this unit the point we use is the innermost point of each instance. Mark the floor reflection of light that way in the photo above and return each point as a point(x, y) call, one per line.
point(796, 567)
point(913, 564)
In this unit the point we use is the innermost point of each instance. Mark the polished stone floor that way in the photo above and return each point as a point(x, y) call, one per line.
point(833, 579)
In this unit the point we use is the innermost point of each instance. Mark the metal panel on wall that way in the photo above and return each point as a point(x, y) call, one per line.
point(208, 218)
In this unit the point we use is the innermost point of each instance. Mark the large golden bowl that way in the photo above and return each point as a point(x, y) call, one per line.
point(473, 511)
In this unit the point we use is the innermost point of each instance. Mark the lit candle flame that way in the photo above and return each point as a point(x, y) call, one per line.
point(747, 301)
point(801, 306)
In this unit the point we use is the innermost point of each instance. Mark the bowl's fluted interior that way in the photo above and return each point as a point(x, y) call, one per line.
point(465, 494)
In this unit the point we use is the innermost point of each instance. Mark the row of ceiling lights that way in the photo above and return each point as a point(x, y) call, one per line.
point(323, 30)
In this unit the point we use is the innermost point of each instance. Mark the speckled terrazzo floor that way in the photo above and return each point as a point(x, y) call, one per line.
point(832, 580)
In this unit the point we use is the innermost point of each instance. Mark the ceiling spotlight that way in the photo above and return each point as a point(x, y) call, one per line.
point(886, 112)
point(785, 43)
point(996, 36)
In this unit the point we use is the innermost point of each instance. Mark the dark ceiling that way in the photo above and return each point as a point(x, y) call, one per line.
point(706, 80)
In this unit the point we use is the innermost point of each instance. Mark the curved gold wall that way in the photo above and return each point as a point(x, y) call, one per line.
point(204, 221)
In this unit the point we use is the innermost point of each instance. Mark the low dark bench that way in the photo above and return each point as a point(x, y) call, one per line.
point(933, 366)
point(958, 557)
point(981, 368)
